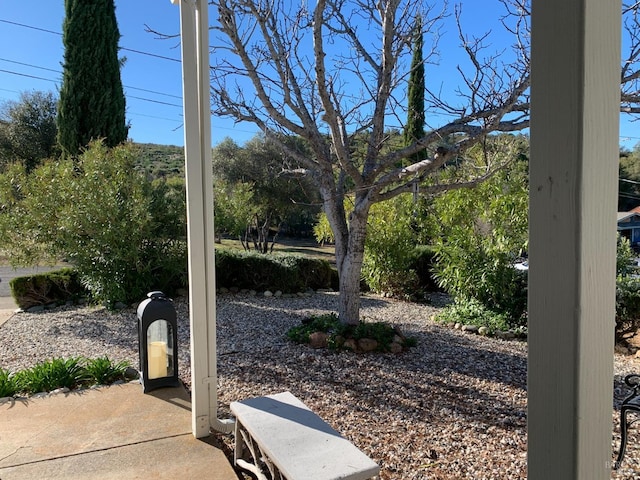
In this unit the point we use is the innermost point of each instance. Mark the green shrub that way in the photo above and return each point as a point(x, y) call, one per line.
point(328, 323)
point(627, 307)
point(473, 312)
point(389, 244)
point(288, 273)
point(52, 374)
point(339, 332)
point(57, 286)
point(102, 370)
point(421, 261)
point(115, 226)
point(8, 384)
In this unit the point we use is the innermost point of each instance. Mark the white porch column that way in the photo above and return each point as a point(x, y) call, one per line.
point(575, 98)
point(194, 32)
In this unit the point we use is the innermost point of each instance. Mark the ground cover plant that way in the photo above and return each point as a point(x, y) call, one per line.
point(339, 333)
point(58, 373)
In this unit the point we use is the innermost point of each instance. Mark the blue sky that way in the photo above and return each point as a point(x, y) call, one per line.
point(32, 55)
point(153, 85)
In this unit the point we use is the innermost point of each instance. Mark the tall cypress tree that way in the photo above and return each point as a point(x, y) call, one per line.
point(414, 129)
point(92, 103)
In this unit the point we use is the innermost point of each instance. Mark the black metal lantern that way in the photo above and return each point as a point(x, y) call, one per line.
point(158, 342)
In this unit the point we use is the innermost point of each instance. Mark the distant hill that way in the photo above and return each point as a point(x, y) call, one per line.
point(160, 160)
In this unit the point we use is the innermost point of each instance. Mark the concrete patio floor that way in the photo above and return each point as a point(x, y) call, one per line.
point(114, 432)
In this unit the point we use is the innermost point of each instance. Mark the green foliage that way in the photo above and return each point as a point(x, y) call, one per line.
point(627, 292)
point(233, 207)
point(62, 373)
point(98, 215)
point(92, 102)
point(52, 374)
point(103, 371)
point(339, 332)
point(472, 312)
point(422, 260)
point(288, 273)
point(481, 232)
point(8, 383)
point(414, 129)
point(160, 161)
point(255, 174)
point(28, 129)
point(57, 286)
point(322, 230)
point(328, 323)
point(627, 307)
point(389, 246)
point(629, 184)
point(625, 257)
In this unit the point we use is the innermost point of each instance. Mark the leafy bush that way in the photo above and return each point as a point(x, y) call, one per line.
point(389, 247)
point(421, 261)
point(99, 215)
point(289, 273)
point(52, 374)
point(56, 286)
point(481, 232)
point(102, 370)
point(473, 312)
point(8, 384)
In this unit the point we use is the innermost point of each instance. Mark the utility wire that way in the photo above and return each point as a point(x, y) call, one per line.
point(59, 72)
point(60, 34)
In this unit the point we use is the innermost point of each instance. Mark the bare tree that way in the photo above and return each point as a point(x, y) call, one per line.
point(333, 71)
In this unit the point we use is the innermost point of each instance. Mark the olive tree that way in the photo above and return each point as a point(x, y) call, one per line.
point(332, 71)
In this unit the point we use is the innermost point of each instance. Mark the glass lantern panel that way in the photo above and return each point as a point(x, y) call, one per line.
point(160, 349)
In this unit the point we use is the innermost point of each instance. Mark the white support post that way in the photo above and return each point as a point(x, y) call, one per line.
point(202, 292)
point(575, 99)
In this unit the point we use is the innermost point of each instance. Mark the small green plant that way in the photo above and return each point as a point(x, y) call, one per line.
point(8, 385)
point(472, 312)
point(52, 374)
point(102, 370)
point(339, 333)
point(328, 323)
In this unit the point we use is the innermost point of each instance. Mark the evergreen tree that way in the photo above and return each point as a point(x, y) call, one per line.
point(92, 103)
point(414, 129)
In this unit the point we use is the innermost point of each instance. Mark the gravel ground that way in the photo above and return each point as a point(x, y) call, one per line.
point(454, 407)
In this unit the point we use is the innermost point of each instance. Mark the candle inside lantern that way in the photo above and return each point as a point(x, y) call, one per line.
point(157, 360)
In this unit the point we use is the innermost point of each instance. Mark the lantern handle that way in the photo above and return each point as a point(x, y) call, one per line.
point(157, 295)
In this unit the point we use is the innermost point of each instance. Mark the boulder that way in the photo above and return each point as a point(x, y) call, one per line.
point(367, 344)
point(318, 340)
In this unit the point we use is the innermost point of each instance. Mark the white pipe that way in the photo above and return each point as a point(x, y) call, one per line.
point(194, 32)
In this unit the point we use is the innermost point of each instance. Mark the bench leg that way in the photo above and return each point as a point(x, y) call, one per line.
point(623, 437)
point(244, 443)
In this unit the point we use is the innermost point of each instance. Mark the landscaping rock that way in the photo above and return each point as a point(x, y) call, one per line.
point(59, 391)
point(318, 340)
point(351, 344)
point(483, 331)
point(367, 344)
point(278, 293)
point(470, 328)
point(395, 347)
point(268, 293)
point(457, 326)
point(508, 335)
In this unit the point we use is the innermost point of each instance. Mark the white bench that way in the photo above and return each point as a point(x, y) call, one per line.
point(282, 435)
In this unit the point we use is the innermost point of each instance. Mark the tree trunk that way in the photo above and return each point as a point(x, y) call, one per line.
point(349, 255)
